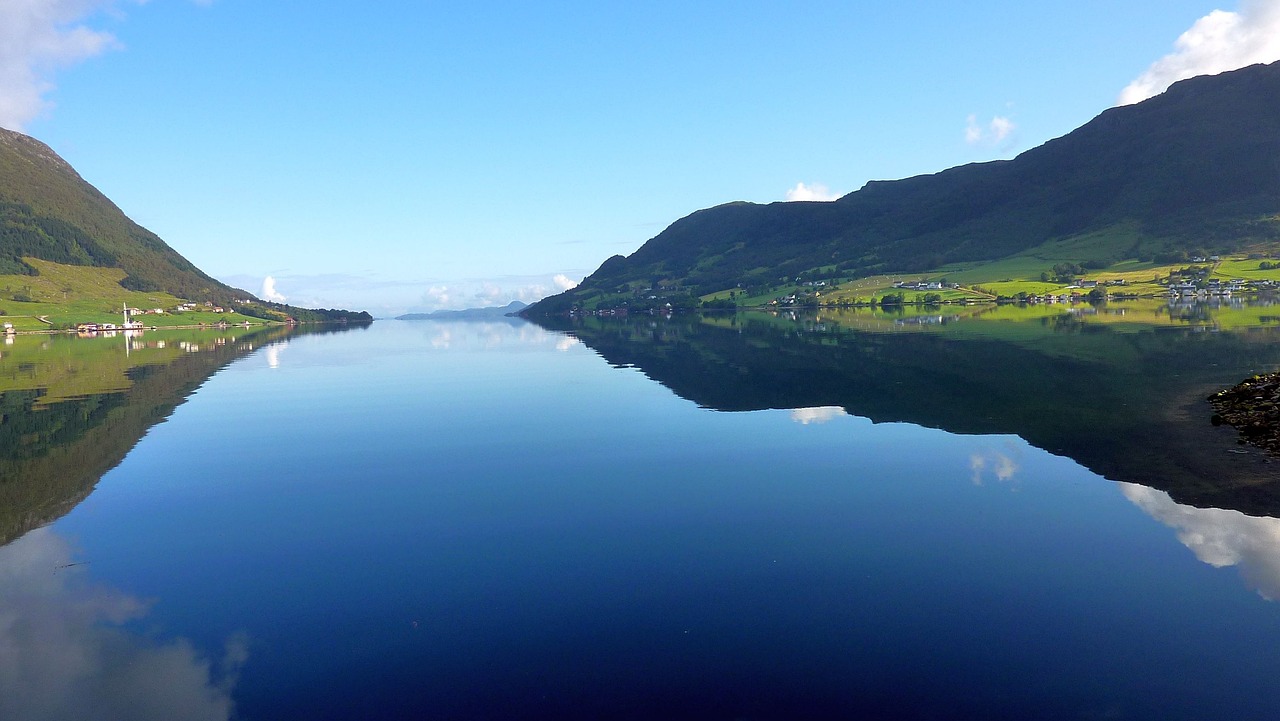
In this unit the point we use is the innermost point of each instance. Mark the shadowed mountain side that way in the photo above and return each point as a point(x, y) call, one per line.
point(1195, 167)
point(52, 455)
point(1129, 406)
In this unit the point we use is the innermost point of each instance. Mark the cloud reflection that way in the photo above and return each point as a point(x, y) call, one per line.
point(64, 653)
point(468, 335)
point(819, 414)
point(1002, 466)
point(1219, 537)
point(273, 354)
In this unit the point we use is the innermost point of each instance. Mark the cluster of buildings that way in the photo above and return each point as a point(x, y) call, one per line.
point(130, 315)
point(1212, 287)
point(207, 306)
point(924, 285)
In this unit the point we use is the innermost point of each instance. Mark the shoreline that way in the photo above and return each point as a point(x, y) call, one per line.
point(157, 329)
point(1252, 407)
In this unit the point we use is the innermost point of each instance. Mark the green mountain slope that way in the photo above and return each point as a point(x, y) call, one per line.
point(1197, 167)
point(48, 211)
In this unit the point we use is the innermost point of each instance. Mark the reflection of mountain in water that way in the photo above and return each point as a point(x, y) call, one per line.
point(52, 453)
point(1128, 405)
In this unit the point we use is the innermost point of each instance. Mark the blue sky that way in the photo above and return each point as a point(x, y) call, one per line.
point(401, 155)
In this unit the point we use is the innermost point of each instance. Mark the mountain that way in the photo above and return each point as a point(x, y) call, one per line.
point(48, 212)
point(511, 308)
point(1197, 167)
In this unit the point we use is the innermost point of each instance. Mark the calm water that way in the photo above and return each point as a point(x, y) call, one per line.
point(640, 519)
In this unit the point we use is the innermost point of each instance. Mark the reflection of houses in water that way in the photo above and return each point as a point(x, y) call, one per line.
point(1212, 303)
point(1201, 309)
point(926, 320)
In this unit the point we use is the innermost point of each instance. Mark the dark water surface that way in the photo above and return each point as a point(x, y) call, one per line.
point(493, 520)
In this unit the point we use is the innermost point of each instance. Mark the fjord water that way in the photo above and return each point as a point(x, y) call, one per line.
point(696, 518)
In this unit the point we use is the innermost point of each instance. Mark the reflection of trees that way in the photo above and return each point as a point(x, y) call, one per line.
point(1129, 405)
point(65, 653)
point(52, 454)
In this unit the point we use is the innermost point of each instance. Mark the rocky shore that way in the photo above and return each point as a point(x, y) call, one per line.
point(1253, 407)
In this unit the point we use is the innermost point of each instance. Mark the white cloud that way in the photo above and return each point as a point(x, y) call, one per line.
point(997, 132)
point(269, 291)
point(1216, 43)
point(1218, 537)
point(491, 292)
point(1001, 128)
point(814, 192)
point(38, 37)
point(389, 297)
point(437, 297)
point(819, 414)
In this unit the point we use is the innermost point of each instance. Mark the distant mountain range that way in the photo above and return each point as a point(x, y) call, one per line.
point(1197, 167)
point(48, 212)
point(512, 308)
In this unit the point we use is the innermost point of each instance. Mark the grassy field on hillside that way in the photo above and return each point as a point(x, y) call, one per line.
point(63, 295)
point(1025, 274)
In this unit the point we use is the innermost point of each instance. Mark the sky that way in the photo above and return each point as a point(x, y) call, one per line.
point(409, 155)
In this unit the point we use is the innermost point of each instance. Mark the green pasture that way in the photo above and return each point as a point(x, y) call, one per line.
point(65, 295)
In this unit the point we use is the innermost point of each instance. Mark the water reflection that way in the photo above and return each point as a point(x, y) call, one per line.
point(820, 414)
point(1122, 393)
point(272, 353)
point(508, 333)
point(1219, 537)
point(67, 650)
point(71, 408)
point(1002, 466)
